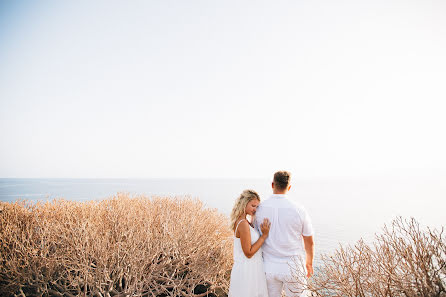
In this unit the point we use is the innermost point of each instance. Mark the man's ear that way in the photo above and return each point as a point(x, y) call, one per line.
point(289, 187)
point(272, 185)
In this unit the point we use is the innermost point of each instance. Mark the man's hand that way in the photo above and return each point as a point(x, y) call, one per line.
point(309, 250)
point(309, 270)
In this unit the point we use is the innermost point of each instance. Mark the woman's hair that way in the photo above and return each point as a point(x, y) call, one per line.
point(240, 205)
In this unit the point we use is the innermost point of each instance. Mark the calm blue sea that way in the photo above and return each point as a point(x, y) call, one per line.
point(342, 211)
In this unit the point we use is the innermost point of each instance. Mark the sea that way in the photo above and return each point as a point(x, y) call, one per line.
point(342, 211)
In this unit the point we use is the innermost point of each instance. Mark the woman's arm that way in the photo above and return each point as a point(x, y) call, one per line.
point(245, 238)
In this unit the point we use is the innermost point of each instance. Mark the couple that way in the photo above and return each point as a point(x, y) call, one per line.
point(280, 229)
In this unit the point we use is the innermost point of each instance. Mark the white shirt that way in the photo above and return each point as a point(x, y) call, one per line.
point(284, 244)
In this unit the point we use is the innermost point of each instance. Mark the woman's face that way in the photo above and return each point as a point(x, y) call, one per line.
point(251, 207)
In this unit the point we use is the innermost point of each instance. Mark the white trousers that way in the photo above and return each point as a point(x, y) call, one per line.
point(277, 283)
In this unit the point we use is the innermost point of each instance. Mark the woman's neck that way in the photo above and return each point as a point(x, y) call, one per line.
point(245, 217)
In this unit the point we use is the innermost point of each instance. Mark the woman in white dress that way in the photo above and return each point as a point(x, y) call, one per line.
point(247, 276)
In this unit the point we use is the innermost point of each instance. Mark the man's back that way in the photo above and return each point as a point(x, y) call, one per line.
point(289, 221)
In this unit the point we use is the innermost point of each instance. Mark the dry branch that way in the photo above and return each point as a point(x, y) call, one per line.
point(122, 246)
point(404, 261)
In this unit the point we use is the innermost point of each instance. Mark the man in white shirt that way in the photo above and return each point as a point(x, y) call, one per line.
point(290, 240)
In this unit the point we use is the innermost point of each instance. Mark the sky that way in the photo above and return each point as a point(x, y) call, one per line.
point(222, 89)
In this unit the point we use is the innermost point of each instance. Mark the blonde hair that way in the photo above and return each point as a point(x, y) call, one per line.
point(240, 204)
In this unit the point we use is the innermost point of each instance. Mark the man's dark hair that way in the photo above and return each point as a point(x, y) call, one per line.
point(282, 179)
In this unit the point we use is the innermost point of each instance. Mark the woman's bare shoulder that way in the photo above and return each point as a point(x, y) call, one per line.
point(242, 225)
point(243, 222)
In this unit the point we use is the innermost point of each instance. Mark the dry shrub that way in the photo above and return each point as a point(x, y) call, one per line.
point(403, 261)
point(122, 246)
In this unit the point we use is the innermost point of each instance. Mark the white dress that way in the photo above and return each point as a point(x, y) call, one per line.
point(247, 275)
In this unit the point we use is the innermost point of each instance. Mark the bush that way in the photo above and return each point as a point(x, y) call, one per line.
point(122, 246)
point(403, 261)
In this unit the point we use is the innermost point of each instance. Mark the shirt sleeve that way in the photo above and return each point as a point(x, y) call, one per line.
point(307, 226)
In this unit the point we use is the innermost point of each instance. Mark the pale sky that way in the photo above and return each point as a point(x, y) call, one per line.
point(142, 89)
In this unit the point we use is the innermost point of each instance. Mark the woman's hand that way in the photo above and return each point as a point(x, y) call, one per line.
point(264, 227)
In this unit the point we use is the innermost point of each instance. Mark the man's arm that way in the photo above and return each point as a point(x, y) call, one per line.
point(309, 250)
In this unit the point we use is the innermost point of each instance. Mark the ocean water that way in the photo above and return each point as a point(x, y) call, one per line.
point(342, 211)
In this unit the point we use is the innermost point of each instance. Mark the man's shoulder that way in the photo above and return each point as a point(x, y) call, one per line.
point(265, 204)
point(297, 206)
point(266, 201)
point(294, 203)
point(288, 202)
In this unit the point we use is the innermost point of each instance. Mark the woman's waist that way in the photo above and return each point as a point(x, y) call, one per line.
point(241, 257)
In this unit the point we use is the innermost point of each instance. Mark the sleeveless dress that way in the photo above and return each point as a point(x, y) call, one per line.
point(247, 275)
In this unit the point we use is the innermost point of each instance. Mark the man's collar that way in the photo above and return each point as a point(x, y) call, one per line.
point(278, 195)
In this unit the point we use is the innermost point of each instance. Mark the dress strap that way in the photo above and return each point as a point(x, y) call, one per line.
point(235, 232)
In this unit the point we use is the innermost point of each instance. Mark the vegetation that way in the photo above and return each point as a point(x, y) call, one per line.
point(403, 261)
point(159, 247)
point(122, 246)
